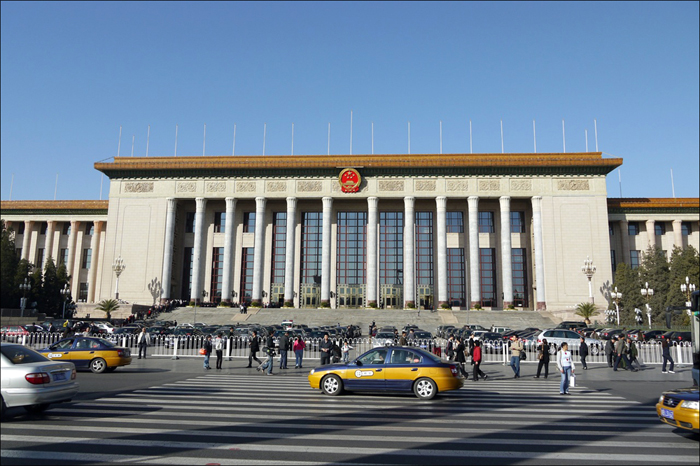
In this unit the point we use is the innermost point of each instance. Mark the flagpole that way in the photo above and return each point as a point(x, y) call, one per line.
point(471, 150)
point(563, 134)
point(441, 136)
point(409, 137)
point(204, 142)
point(292, 138)
point(372, 138)
point(534, 135)
point(119, 146)
point(595, 126)
point(502, 137)
point(233, 151)
point(264, 136)
point(350, 132)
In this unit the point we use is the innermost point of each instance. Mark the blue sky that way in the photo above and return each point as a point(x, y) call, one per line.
point(72, 73)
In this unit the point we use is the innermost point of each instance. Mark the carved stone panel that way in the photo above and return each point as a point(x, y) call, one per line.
point(245, 187)
point(138, 187)
point(186, 187)
point(309, 186)
point(489, 185)
point(276, 186)
point(521, 185)
point(573, 185)
point(215, 187)
point(457, 185)
point(425, 185)
point(390, 185)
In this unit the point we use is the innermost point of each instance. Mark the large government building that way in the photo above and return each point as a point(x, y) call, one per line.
point(353, 231)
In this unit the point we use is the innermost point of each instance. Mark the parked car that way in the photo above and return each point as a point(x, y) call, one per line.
point(572, 324)
point(500, 330)
point(383, 339)
point(676, 336)
point(32, 381)
point(555, 337)
point(13, 332)
point(653, 335)
point(608, 333)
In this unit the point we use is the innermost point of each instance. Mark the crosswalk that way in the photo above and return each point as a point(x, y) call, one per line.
point(252, 419)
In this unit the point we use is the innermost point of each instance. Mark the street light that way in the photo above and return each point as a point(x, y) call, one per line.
point(616, 296)
point(588, 270)
point(687, 288)
point(65, 292)
point(118, 268)
point(647, 293)
point(610, 316)
point(24, 287)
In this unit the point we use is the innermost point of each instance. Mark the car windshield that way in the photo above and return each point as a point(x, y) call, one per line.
point(385, 335)
point(423, 335)
point(17, 354)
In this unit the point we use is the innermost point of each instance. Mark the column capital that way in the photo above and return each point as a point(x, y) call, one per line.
point(504, 199)
point(327, 202)
point(441, 202)
point(372, 202)
point(201, 203)
point(292, 202)
point(230, 203)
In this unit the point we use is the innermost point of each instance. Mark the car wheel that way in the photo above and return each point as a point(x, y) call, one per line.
point(425, 389)
point(332, 385)
point(35, 409)
point(98, 365)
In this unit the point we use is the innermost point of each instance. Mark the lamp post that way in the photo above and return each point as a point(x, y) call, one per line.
point(609, 316)
point(647, 293)
point(24, 287)
point(118, 267)
point(687, 289)
point(65, 292)
point(588, 270)
point(617, 296)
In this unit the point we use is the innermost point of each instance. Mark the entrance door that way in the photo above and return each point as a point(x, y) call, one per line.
point(392, 297)
point(351, 296)
point(425, 296)
point(310, 295)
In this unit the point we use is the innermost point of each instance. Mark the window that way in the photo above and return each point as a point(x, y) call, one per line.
point(402, 356)
point(89, 228)
point(633, 228)
point(456, 278)
point(20, 228)
point(311, 232)
point(246, 293)
point(248, 222)
point(87, 258)
point(660, 228)
point(424, 248)
point(613, 261)
point(377, 356)
point(611, 230)
point(219, 222)
point(83, 293)
point(279, 246)
point(66, 228)
point(686, 229)
point(187, 260)
point(63, 257)
point(43, 227)
point(351, 243)
point(189, 223)
point(519, 265)
point(517, 222)
point(217, 274)
point(634, 259)
point(455, 222)
point(390, 248)
point(487, 272)
point(486, 222)
point(39, 257)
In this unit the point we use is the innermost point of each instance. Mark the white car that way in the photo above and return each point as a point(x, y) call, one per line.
point(31, 380)
point(106, 326)
point(383, 339)
point(556, 336)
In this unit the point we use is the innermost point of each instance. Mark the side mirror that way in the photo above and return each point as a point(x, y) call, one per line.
point(358, 362)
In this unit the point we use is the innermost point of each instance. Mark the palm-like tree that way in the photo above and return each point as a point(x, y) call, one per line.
point(586, 310)
point(108, 306)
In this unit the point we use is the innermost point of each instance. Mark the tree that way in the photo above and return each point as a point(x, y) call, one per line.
point(586, 310)
point(108, 306)
point(654, 270)
point(685, 262)
point(627, 283)
point(8, 268)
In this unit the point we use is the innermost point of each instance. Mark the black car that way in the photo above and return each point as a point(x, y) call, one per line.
point(676, 336)
point(652, 335)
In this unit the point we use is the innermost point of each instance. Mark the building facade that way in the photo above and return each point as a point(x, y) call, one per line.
point(394, 231)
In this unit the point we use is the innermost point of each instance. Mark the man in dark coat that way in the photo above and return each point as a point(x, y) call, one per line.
point(325, 348)
point(284, 347)
point(583, 353)
point(254, 345)
point(609, 351)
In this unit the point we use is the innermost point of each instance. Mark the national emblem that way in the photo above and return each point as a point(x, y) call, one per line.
point(349, 180)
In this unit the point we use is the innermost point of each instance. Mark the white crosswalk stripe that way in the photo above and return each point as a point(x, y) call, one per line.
point(234, 419)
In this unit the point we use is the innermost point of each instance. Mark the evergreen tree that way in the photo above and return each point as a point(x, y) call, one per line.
point(8, 268)
point(685, 262)
point(628, 283)
point(655, 271)
point(51, 300)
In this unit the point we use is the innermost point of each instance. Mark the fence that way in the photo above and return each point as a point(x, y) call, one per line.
point(495, 351)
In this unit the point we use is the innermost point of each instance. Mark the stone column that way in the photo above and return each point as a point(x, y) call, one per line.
point(259, 250)
point(677, 234)
point(326, 253)
point(651, 233)
point(229, 235)
point(290, 243)
point(506, 254)
point(198, 255)
point(539, 252)
point(475, 279)
point(441, 202)
point(409, 258)
point(27, 239)
point(72, 244)
point(48, 242)
point(94, 261)
point(372, 251)
point(625, 241)
point(168, 249)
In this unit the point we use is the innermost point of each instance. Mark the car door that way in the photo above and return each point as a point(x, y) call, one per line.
point(402, 367)
point(369, 371)
point(83, 352)
point(60, 351)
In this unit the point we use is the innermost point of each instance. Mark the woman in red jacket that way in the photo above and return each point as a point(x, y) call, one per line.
point(476, 359)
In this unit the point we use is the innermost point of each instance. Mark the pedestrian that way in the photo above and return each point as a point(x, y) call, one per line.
point(450, 348)
point(336, 352)
point(516, 347)
point(346, 351)
point(583, 353)
point(270, 351)
point(621, 355)
point(632, 349)
point(565, 364)
point(298, 348)
point(143, 342)
point(254, 344)
point(207, 351)
point(476, 360)
point(411, 338)
point(460, 357)
point(609, 350)
point(284, 347)
point(325, 347)
point(403, 341)
point(219, 348)
point(543, 358)
point(666, 354)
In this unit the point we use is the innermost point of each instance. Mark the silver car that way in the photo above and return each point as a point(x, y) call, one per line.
point(556, 336)
point(31, 380)
point(383, 339)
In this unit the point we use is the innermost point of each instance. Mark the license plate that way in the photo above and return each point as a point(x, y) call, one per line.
point(59, 376)
point(667, 413)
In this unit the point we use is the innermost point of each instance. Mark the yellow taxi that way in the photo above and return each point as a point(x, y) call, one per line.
point(389, 369)
point(96, 354)
point(679, 408)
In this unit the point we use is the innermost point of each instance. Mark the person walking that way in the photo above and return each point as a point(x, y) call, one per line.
point(516, 347)
point(270, 352)
point(411, 337)
point(565, 364)
point(460, 357)
point(583, 353)
point(450, 349)
point(284, 347)
point(325, 347)
point(143, 342)
point(298, 348)
point(621, 355)
point(219, 348)
point(543, 357)
point(207, 351)
point(633, 353)
point(403, 341)
point(254, 344)
point(666, 354)
point(476, 360)
point(609, 350)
